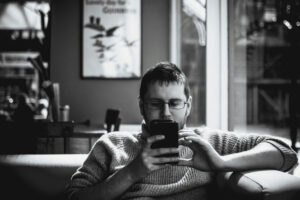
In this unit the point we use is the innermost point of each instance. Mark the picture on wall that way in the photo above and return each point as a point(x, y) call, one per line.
point(111, 39)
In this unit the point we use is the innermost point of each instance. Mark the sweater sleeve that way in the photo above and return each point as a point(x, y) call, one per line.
point(93, 170)
point(289, 155)
point(226, 142)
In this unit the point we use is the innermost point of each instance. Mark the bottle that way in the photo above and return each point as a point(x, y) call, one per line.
point(65, 113)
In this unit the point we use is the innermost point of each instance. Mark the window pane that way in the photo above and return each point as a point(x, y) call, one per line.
point(193, 54)
point(263, 76)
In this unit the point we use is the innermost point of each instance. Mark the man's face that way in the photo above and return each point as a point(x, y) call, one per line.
point(172, 92)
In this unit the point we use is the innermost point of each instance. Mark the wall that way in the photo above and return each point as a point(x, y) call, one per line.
point(89, 99)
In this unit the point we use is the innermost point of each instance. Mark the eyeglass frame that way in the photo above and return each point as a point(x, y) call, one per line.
point(162, 103)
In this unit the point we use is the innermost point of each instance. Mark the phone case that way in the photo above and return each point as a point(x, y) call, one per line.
point(169, 129)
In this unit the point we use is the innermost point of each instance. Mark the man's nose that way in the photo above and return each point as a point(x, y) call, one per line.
point(165, 113)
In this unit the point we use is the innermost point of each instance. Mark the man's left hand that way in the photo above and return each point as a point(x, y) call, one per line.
point(205, 157)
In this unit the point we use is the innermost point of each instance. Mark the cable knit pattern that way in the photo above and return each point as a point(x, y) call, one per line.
point(115, 150)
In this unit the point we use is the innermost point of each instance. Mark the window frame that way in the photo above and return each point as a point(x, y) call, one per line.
point(216, 58)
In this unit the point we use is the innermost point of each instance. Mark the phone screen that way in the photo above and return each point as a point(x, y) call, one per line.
point(169, 129)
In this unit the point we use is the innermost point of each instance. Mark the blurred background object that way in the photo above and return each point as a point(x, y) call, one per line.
point(24, 56)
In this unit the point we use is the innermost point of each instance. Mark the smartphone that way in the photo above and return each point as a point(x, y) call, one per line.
point(169, 129)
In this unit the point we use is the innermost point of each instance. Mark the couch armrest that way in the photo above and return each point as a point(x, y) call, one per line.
point(260, 184)
point(37, 176)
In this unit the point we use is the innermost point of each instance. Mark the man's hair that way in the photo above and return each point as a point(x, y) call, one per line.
point(164, 73)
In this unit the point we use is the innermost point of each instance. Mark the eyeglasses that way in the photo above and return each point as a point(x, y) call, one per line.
point(175, 104)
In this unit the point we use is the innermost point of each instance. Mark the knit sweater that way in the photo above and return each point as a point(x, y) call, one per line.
point(115, 150)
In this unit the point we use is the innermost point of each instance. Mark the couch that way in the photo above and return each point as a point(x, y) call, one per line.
point(44, 177)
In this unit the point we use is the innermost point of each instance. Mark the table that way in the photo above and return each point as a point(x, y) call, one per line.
point(91, 131)
point(67, 130)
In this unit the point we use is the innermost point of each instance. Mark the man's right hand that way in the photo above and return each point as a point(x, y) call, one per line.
point(145, 162)
point(148, 160)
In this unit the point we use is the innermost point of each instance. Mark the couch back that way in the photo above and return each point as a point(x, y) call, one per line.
point(45, 176)
point(42, 177)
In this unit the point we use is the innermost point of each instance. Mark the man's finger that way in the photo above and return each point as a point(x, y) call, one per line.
point(187, 133)
point(162, 151)
point(153, 139)
point(192, 138)
point(188, 143)
point(195, 143)
point(196, 139)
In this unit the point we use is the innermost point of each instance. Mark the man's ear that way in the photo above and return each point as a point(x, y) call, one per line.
point(141, 106)
point(189, 106)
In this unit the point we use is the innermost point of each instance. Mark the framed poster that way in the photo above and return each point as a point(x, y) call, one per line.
point(111, 39)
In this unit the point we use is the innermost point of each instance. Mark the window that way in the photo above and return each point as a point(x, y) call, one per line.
point(192, 52)
point(263, 76)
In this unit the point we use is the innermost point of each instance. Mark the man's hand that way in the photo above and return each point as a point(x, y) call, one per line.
point(148, 160)
point(205, 157)
point(118, 183)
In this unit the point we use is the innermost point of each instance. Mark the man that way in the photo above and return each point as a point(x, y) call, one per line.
point(123, 165)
